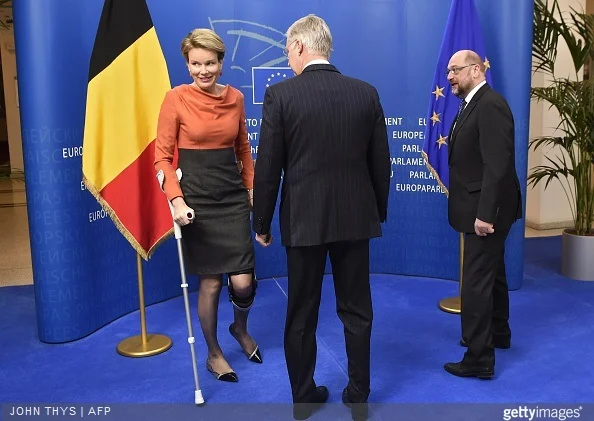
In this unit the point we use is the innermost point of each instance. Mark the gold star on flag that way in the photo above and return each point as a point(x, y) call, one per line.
point(441, 141)
point(435, 118)
point(438, 92)
point(487, 64)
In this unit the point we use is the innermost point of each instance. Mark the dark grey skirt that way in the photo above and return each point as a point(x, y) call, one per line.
point(219, 240)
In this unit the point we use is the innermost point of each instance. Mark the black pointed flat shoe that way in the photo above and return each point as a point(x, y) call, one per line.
point(253, 356)
point(229, 376)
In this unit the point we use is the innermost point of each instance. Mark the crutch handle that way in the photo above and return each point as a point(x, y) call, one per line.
point(176, 226)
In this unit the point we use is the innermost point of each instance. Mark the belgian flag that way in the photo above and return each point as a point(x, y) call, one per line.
point(128, 80)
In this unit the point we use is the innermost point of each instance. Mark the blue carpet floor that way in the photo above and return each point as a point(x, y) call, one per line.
point(550, 359)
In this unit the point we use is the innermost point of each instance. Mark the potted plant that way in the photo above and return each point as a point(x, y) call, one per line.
point(573, 99)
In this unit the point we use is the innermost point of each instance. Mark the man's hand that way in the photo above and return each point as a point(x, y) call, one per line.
point(482, 228)
point(264, 240)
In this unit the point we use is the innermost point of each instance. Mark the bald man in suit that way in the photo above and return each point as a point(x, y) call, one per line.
point(484, 201)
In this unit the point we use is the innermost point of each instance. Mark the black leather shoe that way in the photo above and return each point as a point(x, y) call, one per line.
point(462, 370)
point(359, 411)
point(302, 411)
point(499, 344)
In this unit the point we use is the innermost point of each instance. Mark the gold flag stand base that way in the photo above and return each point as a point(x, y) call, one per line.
point(135, 347)
point(145, 344)
point(450, 305)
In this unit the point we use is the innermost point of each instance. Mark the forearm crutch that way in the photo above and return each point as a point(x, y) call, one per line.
point(198, 399)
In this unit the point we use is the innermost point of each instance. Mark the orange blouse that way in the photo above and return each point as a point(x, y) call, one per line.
point(194, 119)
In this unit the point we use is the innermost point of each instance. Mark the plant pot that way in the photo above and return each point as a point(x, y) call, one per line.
point(577, 256)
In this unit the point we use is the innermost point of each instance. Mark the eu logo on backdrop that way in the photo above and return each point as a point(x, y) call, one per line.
point(263, 77)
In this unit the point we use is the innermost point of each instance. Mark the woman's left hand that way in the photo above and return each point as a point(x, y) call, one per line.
point(251, 198)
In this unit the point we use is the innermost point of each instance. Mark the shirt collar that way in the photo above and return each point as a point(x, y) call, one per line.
point(317, 61)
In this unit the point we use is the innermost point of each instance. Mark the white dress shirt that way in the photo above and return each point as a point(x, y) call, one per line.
point(317, 61)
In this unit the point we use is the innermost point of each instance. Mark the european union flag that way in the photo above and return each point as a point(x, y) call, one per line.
point(462, 32)
point(263, 77)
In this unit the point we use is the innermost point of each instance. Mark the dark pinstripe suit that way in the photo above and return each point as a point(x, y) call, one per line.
point(327, 133)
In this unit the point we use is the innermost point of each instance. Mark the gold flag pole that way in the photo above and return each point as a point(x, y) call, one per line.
point(453, 304)
point(143, 345)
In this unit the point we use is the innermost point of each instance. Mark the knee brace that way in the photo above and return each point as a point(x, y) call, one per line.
point(242, 303)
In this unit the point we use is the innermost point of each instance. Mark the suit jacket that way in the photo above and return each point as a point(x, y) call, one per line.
point(483, 180)
point(327, 133)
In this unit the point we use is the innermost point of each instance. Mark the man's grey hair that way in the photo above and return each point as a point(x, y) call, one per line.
point(314, 33)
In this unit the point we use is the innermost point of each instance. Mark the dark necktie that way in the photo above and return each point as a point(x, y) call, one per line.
point(460, 109)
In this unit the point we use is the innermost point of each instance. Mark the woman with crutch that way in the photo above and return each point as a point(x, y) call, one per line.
point(206, 122)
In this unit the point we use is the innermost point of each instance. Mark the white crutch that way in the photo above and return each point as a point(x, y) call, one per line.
point(198, 399)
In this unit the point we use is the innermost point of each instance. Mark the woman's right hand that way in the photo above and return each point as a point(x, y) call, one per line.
point(181, 212)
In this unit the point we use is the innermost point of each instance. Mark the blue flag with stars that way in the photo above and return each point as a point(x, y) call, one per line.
point(263, 77)
point(462, 32)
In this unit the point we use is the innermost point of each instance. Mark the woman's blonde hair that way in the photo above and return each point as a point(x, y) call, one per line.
point(203, 38)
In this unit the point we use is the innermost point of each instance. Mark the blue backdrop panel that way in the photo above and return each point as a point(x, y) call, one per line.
point(85, 271)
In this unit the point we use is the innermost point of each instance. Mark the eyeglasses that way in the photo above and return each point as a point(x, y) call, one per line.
point(286, 50)
point(456, 70)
